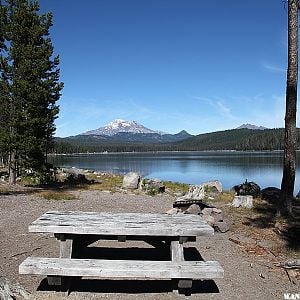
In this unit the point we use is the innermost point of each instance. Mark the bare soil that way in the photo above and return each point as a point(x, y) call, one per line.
point(249, 255)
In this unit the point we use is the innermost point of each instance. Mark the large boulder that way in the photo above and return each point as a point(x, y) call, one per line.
point(152, 186)
point(213, 186)
point(193, 209)
point(247, 188)
point(131, 180)
point(196, 192)
point(75, 175)
point(271, 194)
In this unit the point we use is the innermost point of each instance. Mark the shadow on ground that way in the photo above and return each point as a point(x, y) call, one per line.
point(287, 228)
point(133, 286)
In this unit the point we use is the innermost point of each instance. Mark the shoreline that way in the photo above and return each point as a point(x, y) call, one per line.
point(171, 151)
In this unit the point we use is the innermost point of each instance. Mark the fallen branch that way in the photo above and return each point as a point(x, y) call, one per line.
point(295, 264)
point(25, 252)
point(234, 241)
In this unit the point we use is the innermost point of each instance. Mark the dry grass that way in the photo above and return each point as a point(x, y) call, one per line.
point(56, 195)
point(262, 225)
point(106, 182)
point(176, 187)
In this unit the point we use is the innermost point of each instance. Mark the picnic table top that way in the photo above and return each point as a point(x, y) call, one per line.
point(130, 224)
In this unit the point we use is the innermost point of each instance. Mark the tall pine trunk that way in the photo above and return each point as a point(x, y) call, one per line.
point(289, 162)
point(12, 167)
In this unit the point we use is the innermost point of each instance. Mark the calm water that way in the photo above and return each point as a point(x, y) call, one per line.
point(230, 168)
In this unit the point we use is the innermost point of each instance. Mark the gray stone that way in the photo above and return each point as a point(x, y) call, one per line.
point(215, 185)
point(193, 209)
point(206, 211)
point(152, 186)
point(11, 291)
point(217, 217)
point(131, 180)
point(75, 175)
point(196, 192)
point(173, 211)
point(208, 219)
point(221, 226)
point(216, 210)
point(243, 201)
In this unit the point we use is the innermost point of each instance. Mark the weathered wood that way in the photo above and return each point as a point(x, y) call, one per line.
point(135, 224)
point(65, 251)
point(122, 268)
point(65, 246)
point(183, 239)
point(177, 255)
point(55, 280)
point(176, 251)
point(185, 283)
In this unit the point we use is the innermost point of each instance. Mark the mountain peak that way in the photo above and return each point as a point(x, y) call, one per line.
point(121, 126)
point(250, 126)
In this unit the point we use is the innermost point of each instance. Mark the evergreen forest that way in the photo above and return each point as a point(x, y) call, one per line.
point(235, 139)
point(29, 87)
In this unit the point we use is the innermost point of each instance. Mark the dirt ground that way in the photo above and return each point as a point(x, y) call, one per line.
point(249, 261)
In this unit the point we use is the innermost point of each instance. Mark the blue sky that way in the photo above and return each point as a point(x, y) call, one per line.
point(196, 65)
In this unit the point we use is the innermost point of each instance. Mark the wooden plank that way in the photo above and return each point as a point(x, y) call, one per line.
point(65, 245)
point(135, 224)
point(121, 268)
point(65, 251)
point(176, 251)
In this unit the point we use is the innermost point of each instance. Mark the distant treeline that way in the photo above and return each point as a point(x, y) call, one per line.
point(235, 139)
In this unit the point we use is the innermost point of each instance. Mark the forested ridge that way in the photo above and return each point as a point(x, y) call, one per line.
point(234, 139)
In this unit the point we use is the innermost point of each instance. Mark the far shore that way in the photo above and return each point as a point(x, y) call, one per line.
point(173, 151)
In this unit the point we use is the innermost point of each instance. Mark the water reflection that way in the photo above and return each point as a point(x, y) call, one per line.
point(230, 168)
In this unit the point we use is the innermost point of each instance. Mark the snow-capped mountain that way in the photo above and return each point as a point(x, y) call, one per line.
point(250, 126)
point(121, 126)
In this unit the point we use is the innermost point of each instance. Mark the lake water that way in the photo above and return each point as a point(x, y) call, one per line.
point(231, 168)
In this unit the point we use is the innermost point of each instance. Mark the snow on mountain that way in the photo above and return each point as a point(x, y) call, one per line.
point(118, 126)
point(250, 126)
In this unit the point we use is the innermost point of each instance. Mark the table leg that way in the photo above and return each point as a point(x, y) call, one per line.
point(65, 251)
point(177, 255)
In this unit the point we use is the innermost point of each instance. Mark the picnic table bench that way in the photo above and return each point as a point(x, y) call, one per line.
point(74, 229)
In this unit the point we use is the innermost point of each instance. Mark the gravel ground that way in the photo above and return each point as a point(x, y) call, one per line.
point(246, 276)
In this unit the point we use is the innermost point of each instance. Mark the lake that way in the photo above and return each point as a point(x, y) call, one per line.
point(231, 168)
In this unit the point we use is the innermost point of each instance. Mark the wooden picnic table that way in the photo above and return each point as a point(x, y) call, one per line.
point(75, 229)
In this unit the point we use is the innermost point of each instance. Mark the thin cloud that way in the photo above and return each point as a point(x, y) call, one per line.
point(219, 105)
point(273, 68)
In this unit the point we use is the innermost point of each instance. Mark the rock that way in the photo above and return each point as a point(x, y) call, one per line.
point(243, 201)
point(217, 217)
point(214, 186)
point(196, 192)
point(208, 219)
point(193, 209)
point(10, 291)
point(152, 186)
point(74, 175)
point(207, 211)
point(247, 188)
point(216, 210)
point(221, 226)
point(271, 194)
point(131, 180)
point(172, 211)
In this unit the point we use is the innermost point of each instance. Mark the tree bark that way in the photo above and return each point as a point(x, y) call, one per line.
point(289, 162)
point(12, 168)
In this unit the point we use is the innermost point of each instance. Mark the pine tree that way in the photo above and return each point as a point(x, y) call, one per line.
point(4, 86)
point(34, 87)
point(290, 137)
